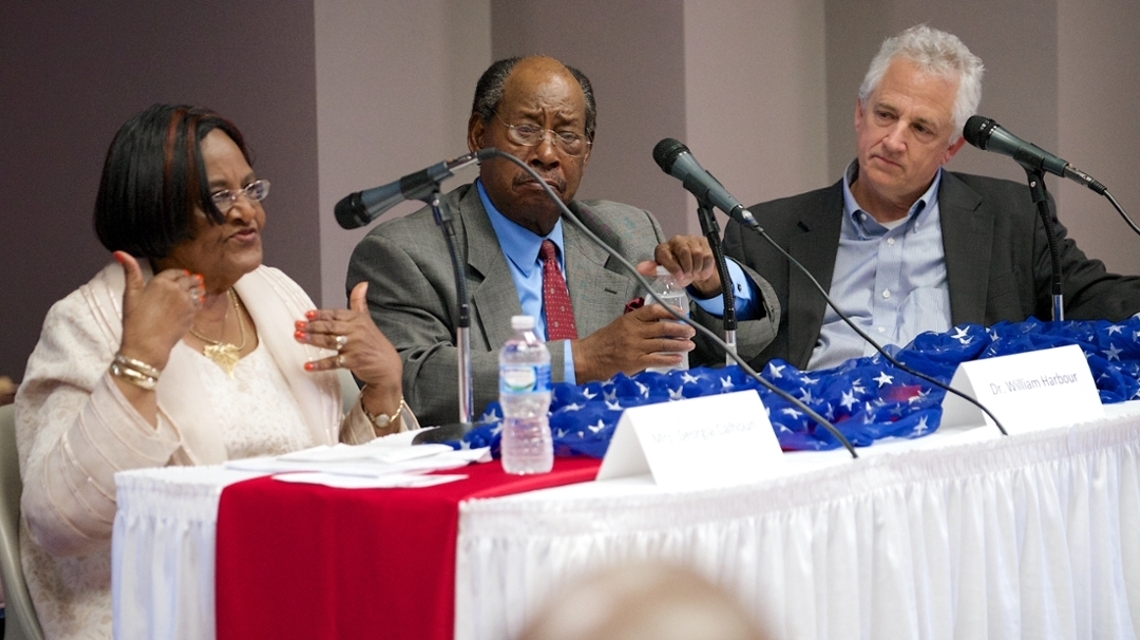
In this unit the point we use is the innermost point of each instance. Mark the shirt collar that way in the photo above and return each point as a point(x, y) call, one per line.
point(518, 243)
point(864, 223)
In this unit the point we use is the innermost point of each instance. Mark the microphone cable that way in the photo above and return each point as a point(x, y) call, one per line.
point(862, 334)
point(744, 366)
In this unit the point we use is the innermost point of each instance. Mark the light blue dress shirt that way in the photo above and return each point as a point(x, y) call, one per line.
point(889, 279)
point(521, 247)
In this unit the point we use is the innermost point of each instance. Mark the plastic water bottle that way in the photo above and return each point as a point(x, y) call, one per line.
point(524, 394)
point(672, 294)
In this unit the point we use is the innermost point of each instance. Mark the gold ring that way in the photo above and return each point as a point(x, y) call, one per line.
point(341, 341)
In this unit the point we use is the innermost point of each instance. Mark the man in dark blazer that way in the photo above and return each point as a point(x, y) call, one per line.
point(904, 246)
point(543, 113)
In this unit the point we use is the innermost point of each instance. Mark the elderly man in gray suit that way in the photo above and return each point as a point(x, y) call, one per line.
point(516, 250)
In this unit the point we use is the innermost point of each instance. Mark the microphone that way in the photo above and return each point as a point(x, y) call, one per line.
point(360, 208)
point(988, 135)
point(675, 159)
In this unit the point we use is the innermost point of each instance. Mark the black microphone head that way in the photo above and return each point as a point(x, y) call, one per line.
point(977, 131)
point(350, 212)
point(666, 152)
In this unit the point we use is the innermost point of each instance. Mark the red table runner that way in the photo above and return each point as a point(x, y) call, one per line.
point(309, 561)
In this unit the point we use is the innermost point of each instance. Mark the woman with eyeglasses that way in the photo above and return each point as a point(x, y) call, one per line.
point(184, 351)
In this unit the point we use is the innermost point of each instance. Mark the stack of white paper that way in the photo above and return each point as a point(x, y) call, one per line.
point(385, 462)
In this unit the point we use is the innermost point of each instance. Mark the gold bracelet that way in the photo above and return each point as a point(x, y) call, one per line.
point(383, 421)
point(137, 378)
point(137, 365)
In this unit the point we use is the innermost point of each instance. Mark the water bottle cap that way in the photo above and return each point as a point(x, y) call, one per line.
point(522, 323)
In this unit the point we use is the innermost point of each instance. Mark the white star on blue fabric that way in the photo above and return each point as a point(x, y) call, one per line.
point(613, 405)
point(857, 386)
point(921, 427)
point(791, 411)
point(679, 394)
point(1113, 353)
point(574, 406)
point(961, 335)
point(726, 383)
point(884, 379)
point(642, 390)
point(561, 433)
point(464, 445)
point(848, 400)
point(775, 371)
point(489, 416)
point(1115, 329)
point(806, 397)
point(497, 429)
point(609, 394)
point(596, 427)
point(590, 395)
point(689, 378)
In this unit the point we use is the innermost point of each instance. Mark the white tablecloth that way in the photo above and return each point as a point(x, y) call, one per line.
point(957, 535)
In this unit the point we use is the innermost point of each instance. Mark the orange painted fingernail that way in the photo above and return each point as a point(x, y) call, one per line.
point(309, 366)
point(298, 334)
point(200, 278)
point(311, 315)
point(300, 324)
point(118, 255)
point(186, 271)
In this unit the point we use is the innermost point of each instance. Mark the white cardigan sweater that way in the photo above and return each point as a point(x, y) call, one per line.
point(74, 430)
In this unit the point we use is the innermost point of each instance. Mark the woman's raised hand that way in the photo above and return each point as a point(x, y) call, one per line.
point(158, 313)
point(361, 347)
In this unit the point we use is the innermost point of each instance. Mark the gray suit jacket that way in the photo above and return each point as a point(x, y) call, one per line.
point(997, 261)
point(412, 294)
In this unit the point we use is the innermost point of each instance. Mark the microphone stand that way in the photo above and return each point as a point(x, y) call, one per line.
point(454, 431)
point(711, 230)
point(1040, 197)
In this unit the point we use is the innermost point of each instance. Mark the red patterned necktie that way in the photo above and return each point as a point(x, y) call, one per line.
point(555, 298)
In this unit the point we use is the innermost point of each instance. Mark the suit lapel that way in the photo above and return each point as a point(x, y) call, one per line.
point(492, 289)
point(967, 241)
point(597, 293)
point(815, 246)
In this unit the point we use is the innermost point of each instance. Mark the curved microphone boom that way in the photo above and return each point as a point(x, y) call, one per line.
point(359, 208)
point(988, 135)
point(675, 159)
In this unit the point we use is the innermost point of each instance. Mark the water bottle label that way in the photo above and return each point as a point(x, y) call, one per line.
point(524, 378)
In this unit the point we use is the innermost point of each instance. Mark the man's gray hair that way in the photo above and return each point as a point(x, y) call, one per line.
point(934, 52)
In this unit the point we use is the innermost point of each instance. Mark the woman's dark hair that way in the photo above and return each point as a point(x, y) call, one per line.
point(154, 179)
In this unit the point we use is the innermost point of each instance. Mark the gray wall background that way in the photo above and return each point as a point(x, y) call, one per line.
point(340, 95)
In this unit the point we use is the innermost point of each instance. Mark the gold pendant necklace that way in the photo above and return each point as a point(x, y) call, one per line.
point(225, 354)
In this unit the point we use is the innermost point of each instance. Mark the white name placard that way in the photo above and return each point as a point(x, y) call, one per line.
point(1027, 391)
point(700, 442)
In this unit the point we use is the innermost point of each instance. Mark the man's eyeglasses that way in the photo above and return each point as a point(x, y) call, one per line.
point(254, 192)
point(530, 135)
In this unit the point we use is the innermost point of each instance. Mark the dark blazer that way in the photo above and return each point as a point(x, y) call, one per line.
point(412, 294)
point(997, 261)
